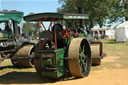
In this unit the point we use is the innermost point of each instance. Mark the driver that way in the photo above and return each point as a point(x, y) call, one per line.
point(59, 30)
point(7, 29)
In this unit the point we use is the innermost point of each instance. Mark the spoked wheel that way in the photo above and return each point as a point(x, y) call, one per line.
point(79, 57)
point(22, 55)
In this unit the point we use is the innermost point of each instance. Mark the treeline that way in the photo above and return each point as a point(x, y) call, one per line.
point(101, 12)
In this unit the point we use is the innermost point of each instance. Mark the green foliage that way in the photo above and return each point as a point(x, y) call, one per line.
point(116, 11)
point(67, 6)
point(125, 2)
point(28, 28)
point(99, 10)
point(35, 29)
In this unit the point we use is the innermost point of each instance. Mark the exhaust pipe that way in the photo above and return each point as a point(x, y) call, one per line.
point(81, 11)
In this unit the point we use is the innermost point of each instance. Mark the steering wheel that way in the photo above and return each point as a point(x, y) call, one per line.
point(67, 33)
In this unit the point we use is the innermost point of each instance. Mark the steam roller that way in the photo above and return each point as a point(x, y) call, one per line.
point(23, 57)
point(64, 50)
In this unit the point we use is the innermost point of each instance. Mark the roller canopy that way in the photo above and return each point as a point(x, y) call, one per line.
point(54, 16)
point(11, 15)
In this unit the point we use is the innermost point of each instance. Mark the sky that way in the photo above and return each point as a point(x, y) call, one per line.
point(28, 6)
point(35, 6)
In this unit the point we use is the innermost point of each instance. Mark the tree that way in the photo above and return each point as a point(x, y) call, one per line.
point(35, 29)
point(28, 28)
point(116, 11)
point(98, 10)
point(125, 2)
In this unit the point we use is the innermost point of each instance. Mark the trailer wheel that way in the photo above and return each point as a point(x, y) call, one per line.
point(79, 57)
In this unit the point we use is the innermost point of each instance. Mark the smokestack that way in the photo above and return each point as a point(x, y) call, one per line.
point(81, 11)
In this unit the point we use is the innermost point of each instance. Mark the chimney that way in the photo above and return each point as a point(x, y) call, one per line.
point(81, 11)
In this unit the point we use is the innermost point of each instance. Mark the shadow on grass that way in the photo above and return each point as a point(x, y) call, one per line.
point(30, 78)
point(23, 78)
point(4, 67)
point(10, 66)
point(112, 42)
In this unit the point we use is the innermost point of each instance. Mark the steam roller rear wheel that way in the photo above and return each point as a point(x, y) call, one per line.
point(23, 62)
point(79, 57)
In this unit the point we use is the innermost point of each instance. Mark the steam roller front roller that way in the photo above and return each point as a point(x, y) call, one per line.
point(22, 57)
point(95, 52)
point(79, 54)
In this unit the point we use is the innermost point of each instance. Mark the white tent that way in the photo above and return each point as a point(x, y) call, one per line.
point(121, 32)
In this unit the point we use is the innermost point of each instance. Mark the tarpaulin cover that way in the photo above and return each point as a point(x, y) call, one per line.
point(11, 15)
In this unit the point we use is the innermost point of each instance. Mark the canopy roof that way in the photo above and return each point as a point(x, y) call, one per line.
point(11, 15)
point(52, 16)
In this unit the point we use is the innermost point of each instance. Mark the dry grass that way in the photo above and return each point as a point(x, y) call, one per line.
point(117, 55)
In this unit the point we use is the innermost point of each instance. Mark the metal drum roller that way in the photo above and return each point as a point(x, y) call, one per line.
point(95, 54)
point(22, 55)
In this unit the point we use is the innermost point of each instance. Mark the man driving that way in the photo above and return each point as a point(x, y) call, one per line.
point(7, 28)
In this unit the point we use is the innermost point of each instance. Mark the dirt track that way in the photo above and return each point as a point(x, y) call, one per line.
point(100, 77)
point(97, 76)
point(103, 77)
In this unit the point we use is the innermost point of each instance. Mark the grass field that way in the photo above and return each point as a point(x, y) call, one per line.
point(117, 58)
point(117, 55)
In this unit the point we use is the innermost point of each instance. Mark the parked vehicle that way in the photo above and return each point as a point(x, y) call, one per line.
point(12, 44)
